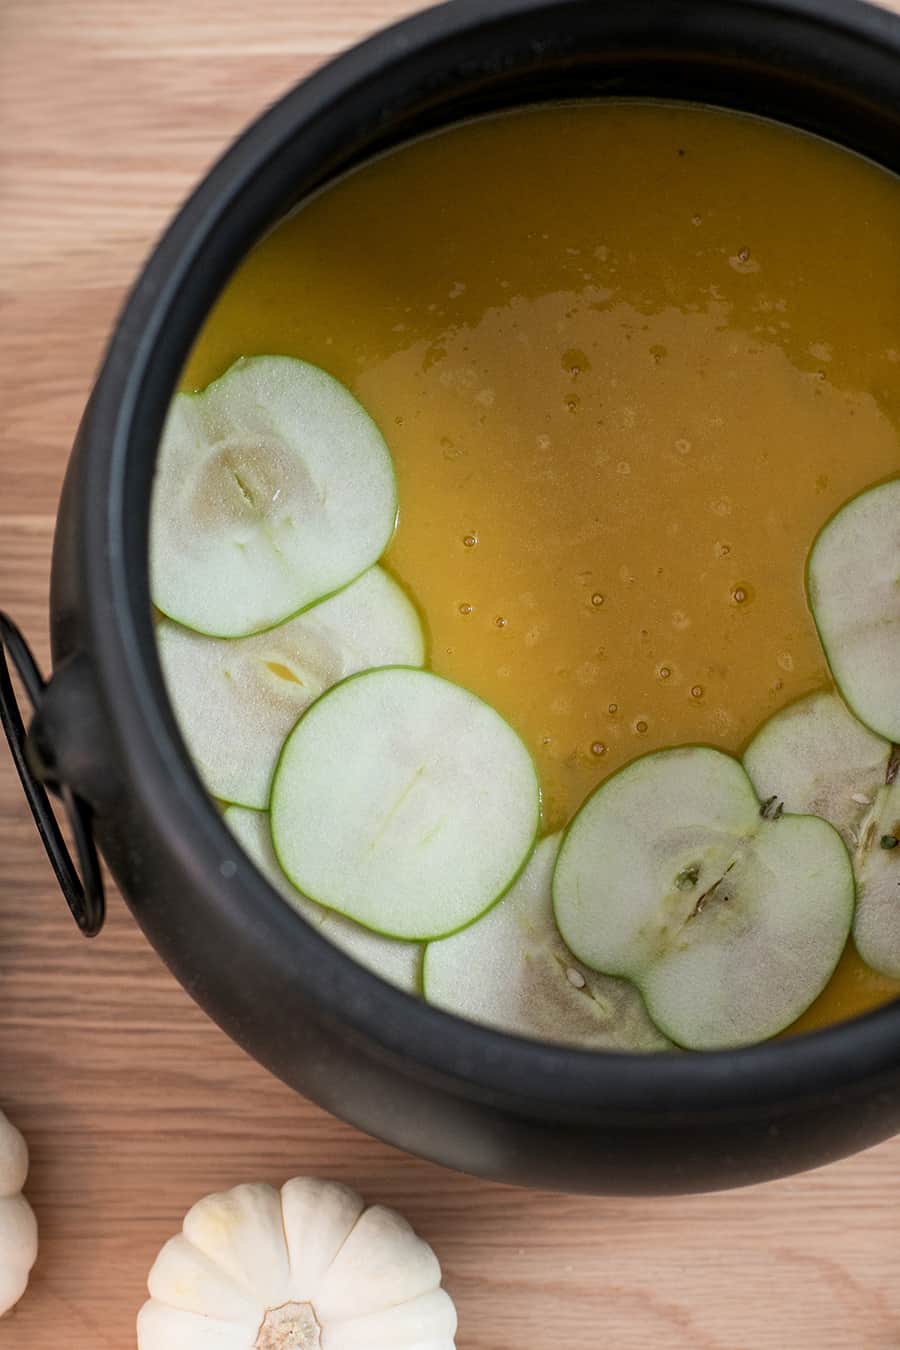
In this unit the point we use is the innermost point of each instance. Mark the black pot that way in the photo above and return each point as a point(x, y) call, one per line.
point(103, 737)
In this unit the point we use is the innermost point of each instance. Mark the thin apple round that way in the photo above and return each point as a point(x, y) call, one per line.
point(816, 757)
point(877, 862)
point(853, 582)
point(404, 802)
point(730, 921)
point(274, 489)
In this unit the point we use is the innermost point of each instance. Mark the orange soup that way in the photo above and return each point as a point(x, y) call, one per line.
point(629, 358)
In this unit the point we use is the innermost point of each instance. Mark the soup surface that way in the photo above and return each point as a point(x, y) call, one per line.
point(629, 358)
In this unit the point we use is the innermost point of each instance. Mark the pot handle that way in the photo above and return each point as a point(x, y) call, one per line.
point(82, 886)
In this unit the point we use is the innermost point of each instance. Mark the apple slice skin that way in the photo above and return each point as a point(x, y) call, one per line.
point(853, 586)
point(273, 490)
point(729, 923)
point(399, 963)
point(817, 759)
point(236, 699)
point(405, 802)
point(511, 970)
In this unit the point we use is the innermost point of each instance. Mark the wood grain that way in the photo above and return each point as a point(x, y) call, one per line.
point(134, 1104)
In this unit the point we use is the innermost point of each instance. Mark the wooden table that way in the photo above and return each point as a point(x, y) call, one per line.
point(135, 1104)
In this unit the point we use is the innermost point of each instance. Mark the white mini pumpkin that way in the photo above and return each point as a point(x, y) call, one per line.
point(18, 1226)
point(309, 1268)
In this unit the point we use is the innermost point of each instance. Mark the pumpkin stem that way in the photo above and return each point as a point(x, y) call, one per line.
point(293, 1326)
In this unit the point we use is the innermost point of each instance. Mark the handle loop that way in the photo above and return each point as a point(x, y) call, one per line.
point(82, 886)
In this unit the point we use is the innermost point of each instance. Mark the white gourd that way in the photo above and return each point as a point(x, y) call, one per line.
point(306, 1268)
point(18, 1227)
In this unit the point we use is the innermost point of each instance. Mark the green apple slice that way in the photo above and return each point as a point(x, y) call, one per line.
point(512, 970)
point(816, 759)
point(396, 962)
point(236, 699)
point(853, 582)
point(729, 922)
point(404, 802)
point(876, 861)
point(274, 489)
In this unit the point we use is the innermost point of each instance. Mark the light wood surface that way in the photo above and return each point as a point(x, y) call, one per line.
point(134, 1104)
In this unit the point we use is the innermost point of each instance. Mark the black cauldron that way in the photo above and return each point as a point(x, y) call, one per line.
point(103, 738)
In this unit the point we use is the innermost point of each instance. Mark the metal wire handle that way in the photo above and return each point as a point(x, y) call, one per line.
point(82, 886)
